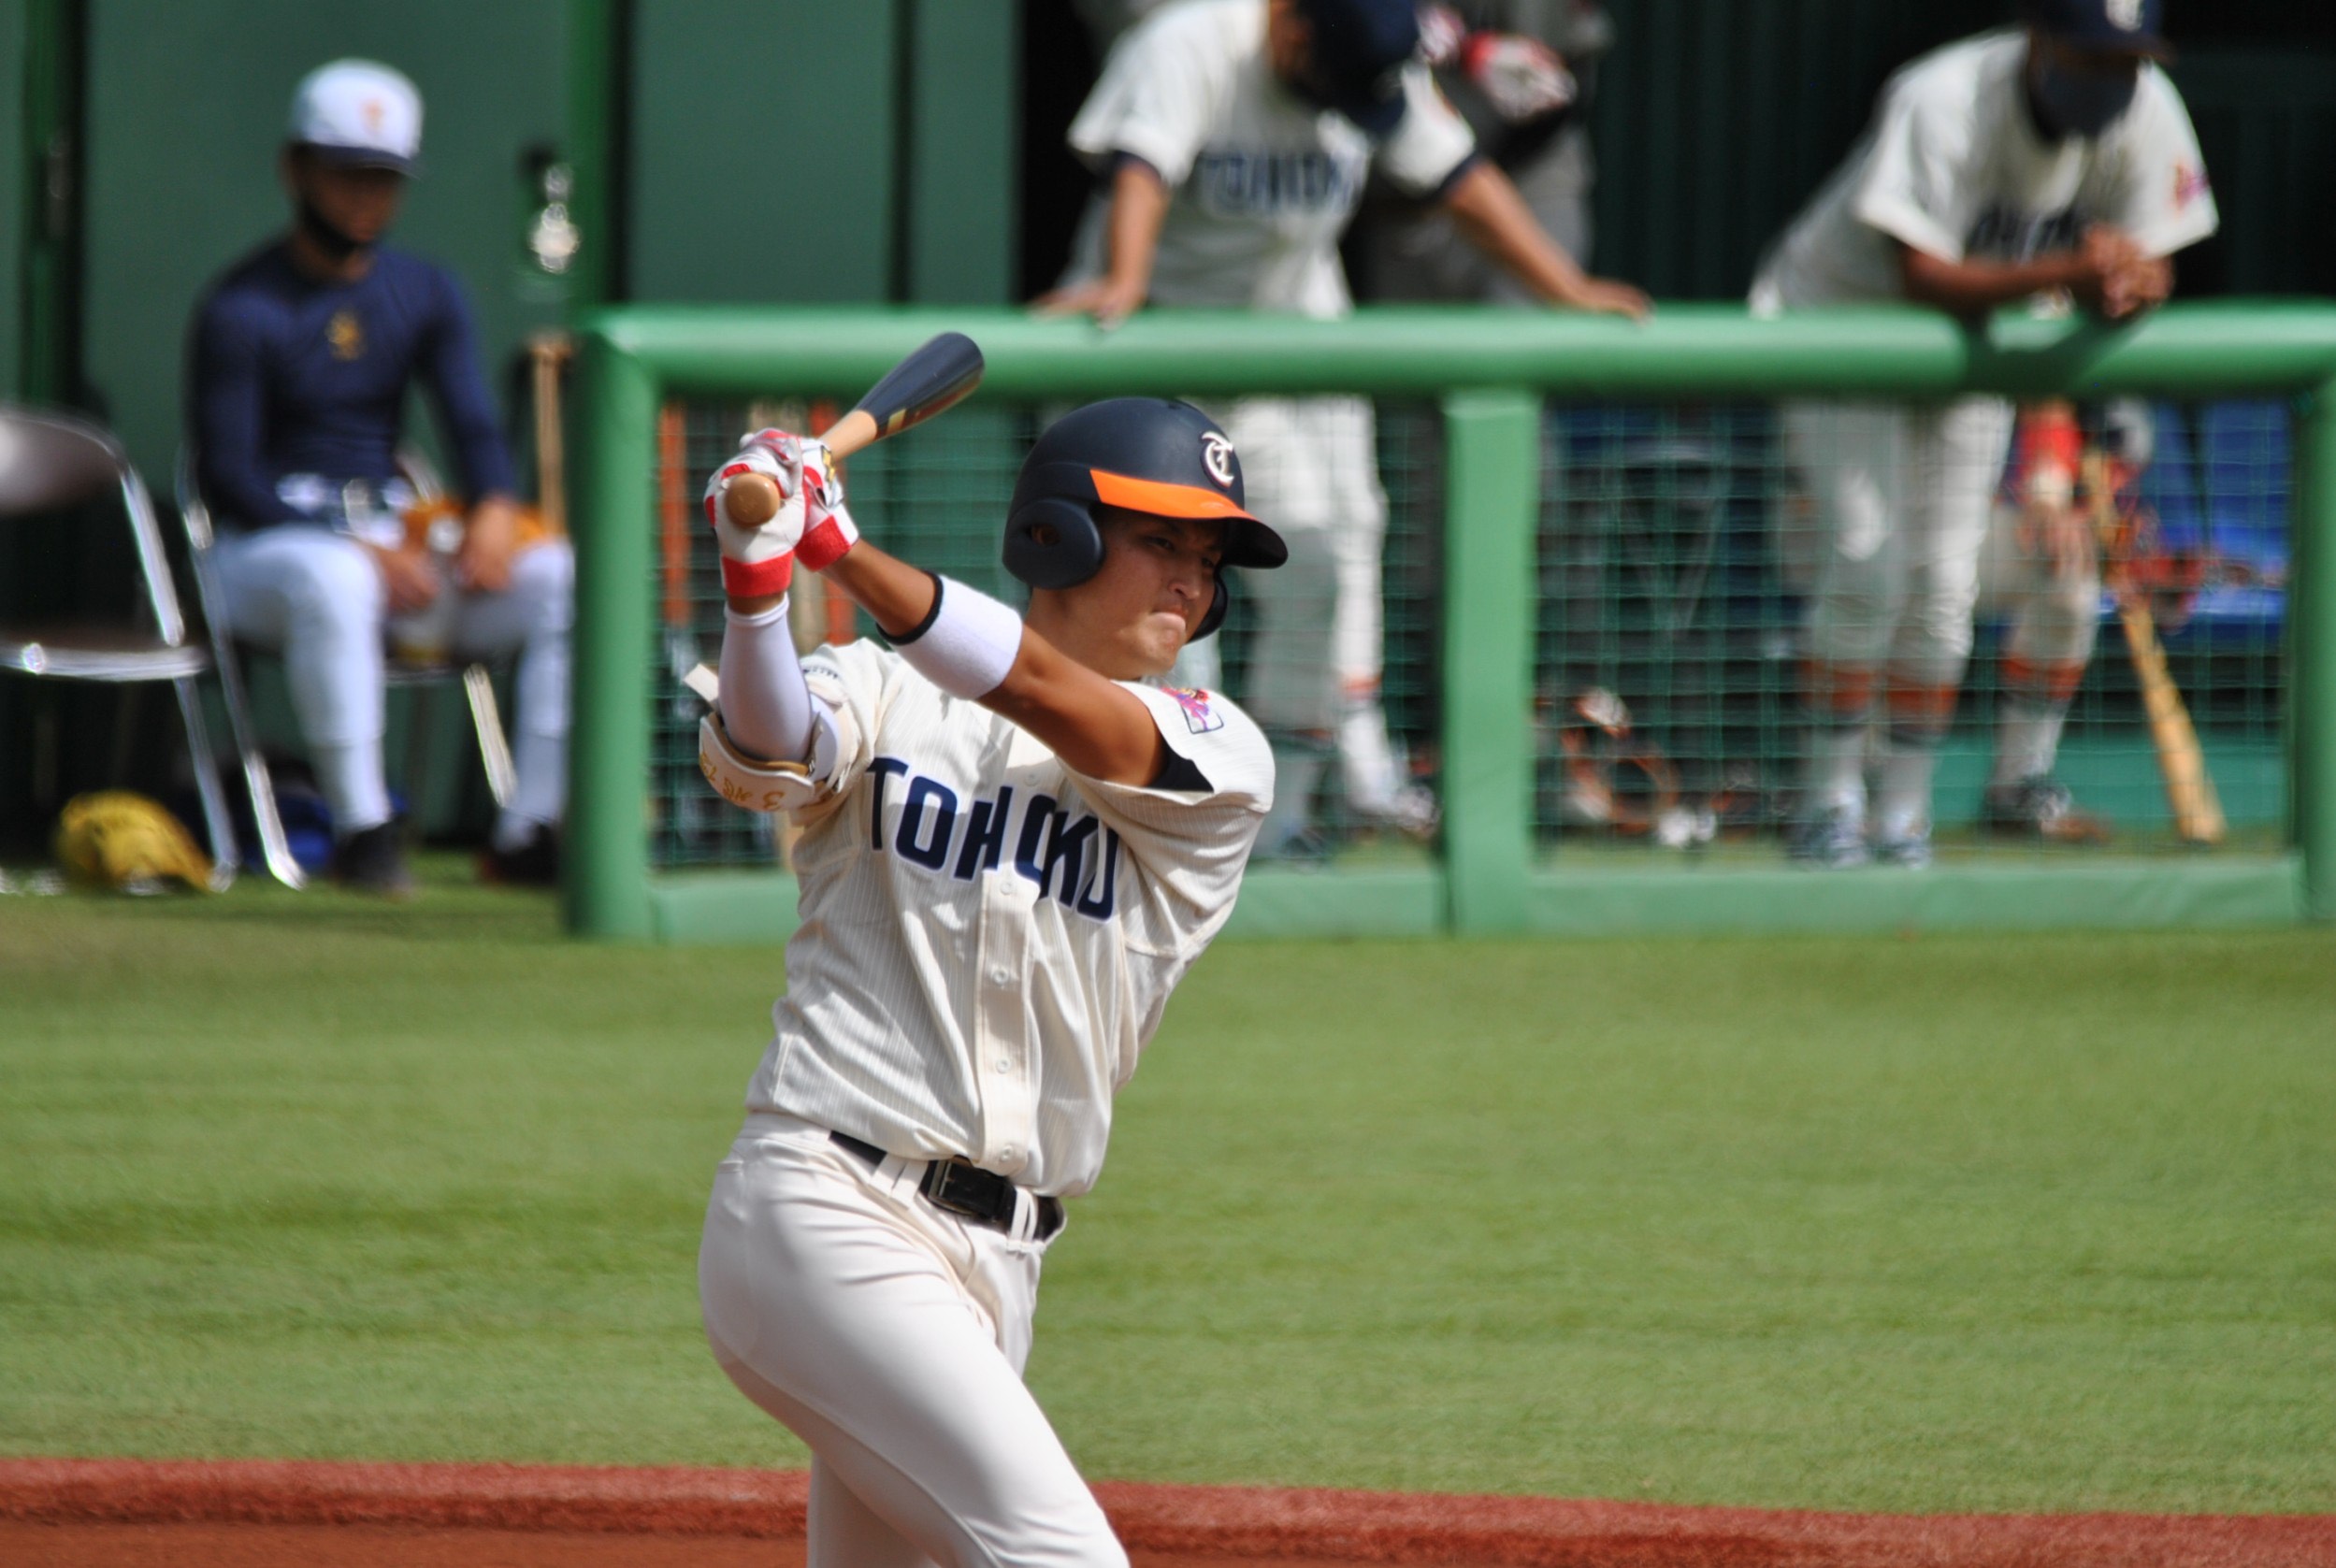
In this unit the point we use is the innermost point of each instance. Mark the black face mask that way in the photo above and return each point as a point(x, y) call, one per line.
point(336, 243)
point(2073, 104)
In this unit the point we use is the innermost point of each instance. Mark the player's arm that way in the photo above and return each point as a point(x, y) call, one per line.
point(964, 642)
point(1493, 218)
point(971, 645)
point(2105, 271)
point(1139, 204)
point(465, 412)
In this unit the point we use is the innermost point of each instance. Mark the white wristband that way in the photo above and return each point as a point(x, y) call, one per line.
point(968, 643)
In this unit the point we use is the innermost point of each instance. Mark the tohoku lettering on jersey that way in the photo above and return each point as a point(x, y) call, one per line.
point(1069, 855)
point(2005, 233)
point(987, 938)
point(1240, 182)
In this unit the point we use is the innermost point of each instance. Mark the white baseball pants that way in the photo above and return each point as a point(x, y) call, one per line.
point(316, 597)
point(890, 1337)
point(1904, 496)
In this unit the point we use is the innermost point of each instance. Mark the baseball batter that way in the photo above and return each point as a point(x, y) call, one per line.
point(1237, 136)
point(2053, 159)
point(1014, 847)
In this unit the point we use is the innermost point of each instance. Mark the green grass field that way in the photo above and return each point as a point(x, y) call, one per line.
point(1956, 1223)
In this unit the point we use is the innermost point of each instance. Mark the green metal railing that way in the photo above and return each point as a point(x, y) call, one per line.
point(1490, 373)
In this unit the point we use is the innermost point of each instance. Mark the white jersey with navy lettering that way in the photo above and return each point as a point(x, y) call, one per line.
point(1263, 183)
point(988, 938)
point(1954, 167)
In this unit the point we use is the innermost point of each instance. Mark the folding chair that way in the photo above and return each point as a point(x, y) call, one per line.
point(478, 684)
point(51, 461)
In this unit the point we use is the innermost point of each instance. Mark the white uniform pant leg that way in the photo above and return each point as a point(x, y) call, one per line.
point(1956, 454)
point(316, 598)
point(534, 616)
point(1358, 633)
point(1853, 457)
point(2054, 617)
point(1292, 450)
point(891, 1337)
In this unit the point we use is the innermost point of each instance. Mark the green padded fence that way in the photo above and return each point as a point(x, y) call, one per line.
point(1578, 511)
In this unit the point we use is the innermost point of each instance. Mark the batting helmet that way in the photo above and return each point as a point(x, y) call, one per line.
point(1149, 455)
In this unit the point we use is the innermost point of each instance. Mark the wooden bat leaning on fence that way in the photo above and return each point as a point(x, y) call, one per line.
point(2189, 789)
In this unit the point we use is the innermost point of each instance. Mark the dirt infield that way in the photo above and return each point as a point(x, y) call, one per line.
point(118, 1513)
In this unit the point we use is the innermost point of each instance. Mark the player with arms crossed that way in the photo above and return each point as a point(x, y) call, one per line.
point(2054, 159)
point(1237, 136)
point(1012, 849)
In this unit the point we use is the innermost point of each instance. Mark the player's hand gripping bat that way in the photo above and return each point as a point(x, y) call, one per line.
point(942, 373)
point(2189, 789)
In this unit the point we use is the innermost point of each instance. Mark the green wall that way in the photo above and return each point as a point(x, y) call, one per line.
point(763, 150)
point(181, 165)
point(12, 187)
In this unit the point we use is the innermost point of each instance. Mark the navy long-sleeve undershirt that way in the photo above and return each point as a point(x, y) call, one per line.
point(291, 375)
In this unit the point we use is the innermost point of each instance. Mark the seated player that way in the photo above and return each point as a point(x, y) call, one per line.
point(1014, 847)
point(2055, 160)
point(301, 360)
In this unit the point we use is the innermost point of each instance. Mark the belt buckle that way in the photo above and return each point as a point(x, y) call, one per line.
point(953, 1185)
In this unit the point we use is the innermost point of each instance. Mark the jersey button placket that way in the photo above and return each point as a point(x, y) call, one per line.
point(1007, 1114)
point(997, 1019)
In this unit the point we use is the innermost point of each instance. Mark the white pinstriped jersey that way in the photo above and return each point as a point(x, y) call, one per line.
point(1954, 167)
point(988, 938)
point(1261, 182)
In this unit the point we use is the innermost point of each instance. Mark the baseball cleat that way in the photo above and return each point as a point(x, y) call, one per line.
point(1908, 851)
point(373, 860)
point(1412, 813)
point(1833, 840)
point(533, 863)
point(2040, 807)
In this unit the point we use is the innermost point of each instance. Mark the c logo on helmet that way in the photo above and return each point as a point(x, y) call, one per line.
point(1217, 457)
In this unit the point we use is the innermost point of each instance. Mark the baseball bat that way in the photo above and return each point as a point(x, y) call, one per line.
point(2180, 761)
point(942, 373)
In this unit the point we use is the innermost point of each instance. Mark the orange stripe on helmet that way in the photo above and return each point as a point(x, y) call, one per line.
point(1162, 499)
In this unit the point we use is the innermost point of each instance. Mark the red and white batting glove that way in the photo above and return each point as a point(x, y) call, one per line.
point(1520, 77)
point(828, 530)
point(811, 522)
point(1442, 32)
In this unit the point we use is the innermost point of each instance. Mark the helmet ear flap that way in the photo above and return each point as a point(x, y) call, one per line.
point(1053, 543)
point(1217, 608)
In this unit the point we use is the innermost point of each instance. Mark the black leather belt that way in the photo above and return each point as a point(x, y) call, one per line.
point(983, 1197)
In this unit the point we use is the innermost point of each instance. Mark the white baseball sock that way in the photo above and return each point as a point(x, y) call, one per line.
point(350, 775)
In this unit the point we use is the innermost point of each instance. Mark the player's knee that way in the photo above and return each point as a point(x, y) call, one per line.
point(335, 585)
point(544, 577)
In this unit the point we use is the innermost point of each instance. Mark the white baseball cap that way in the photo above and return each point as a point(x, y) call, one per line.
point(359, 113)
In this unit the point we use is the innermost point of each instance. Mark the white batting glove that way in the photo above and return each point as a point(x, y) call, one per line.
point(1518, 76)
point(757, 561)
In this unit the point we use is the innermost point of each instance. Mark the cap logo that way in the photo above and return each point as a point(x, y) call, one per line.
point(373, 112)
point(1217, 457)
point(2126, 14)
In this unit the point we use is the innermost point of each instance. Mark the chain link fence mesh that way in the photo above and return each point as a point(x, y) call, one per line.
point(1678, 548)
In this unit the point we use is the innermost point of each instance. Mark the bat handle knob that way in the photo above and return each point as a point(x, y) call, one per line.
point(751, 499)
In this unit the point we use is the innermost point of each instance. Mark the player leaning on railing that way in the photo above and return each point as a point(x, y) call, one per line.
point(1013, 850)
point(2055, 159)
